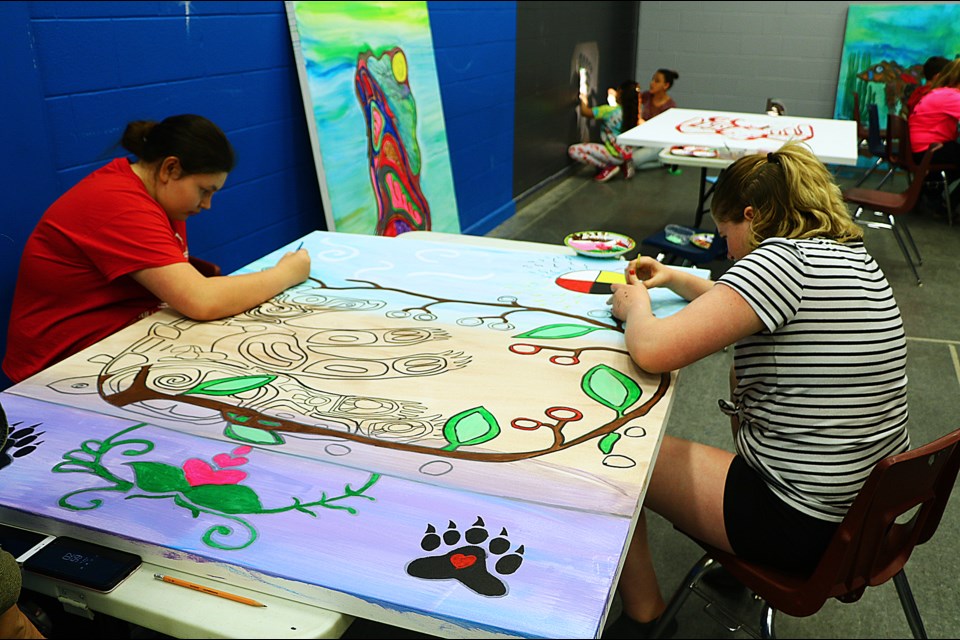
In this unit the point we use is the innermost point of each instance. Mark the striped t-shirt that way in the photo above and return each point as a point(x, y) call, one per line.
point(822, 392)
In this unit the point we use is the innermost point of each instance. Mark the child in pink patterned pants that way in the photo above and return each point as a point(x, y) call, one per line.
point(608, 156)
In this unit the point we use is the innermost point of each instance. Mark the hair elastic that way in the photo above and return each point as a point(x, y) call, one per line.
point(772, 158)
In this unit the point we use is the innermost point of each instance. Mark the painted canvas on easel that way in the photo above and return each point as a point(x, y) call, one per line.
point(884, 49)
point(369, 83)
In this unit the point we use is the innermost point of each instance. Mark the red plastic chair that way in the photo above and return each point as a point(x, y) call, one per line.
point(870, 547)
point(888, 206)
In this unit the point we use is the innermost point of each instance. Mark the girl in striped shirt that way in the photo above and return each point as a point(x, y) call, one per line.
point(819, 384)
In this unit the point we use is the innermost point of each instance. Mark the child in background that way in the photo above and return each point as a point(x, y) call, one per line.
point(936, 117)
point(654, 102)
point(609, 156)
point(933, 66)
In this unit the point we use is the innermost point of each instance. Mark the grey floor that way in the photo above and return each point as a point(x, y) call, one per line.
point(931, 315)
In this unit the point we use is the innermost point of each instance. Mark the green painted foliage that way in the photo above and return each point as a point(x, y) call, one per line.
point(230, 386)
point(559, 331)
point(611, 388)
point(473, 426)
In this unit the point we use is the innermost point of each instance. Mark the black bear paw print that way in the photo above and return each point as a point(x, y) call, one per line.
point(468, 562)
point(17, 442)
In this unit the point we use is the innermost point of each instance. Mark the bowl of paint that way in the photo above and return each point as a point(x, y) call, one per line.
point(599, 244)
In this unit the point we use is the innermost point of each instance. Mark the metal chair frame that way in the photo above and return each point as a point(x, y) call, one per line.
point(886, 207)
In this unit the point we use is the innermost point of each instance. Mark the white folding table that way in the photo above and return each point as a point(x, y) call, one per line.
point(734, 135)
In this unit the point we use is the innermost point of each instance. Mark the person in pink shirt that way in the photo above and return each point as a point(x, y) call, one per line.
point(931, 68)
point(935, 119)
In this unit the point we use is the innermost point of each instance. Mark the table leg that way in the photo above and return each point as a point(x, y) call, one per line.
point(702, 197)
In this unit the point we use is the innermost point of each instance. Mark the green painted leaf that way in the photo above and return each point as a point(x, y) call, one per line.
point(252, 434)
point(225, 498)
point(611, 388)
point(559, 331)
point(607, 442)
point(230, 386)
point(157, 477)
point(473, 426)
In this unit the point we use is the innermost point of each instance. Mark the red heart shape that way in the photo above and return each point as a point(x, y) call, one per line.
point(226, 460)
point(199, 472)
point(461, 561)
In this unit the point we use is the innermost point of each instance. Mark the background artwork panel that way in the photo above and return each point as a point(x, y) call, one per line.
point(365, 543)
point(884, 48)
point(431, 361)
point(369, 84)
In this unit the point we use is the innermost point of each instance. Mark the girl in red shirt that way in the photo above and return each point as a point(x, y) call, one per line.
point(113, 248)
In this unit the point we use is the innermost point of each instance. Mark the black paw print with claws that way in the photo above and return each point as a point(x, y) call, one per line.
point(468, 562)
point(16, 442)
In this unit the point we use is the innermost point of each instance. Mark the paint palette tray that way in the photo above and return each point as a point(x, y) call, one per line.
point(599, 244)
point(702, 240)
point(697, 152)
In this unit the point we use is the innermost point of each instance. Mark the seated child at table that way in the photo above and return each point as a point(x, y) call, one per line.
point(113, 248)
point(654, 101)
point(931, 68)
point(819, 389)
point(935, 119)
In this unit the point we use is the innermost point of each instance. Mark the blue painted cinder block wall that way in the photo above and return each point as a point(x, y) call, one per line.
point(77, 72)
point(475, 46)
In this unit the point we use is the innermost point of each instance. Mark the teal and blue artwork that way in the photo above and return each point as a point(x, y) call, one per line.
point(370, 87)
point(884, 48)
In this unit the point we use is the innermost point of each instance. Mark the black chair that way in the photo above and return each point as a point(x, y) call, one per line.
point(888, 206)
point(862, 129)
point(897, 144)
point(876, 147)
point(899, 507)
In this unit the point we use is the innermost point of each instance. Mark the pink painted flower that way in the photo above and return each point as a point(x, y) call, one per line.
point(199, 472)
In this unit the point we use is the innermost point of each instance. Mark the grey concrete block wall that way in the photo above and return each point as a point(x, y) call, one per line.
point(732, 56)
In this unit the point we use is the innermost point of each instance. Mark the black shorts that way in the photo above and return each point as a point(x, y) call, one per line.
point(763, 528)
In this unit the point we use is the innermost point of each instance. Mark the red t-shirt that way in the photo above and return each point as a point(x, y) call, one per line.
point(73, 288)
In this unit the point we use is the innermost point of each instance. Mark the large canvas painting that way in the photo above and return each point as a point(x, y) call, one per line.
point(370, 88)
point(884, 48)
point(441, 436)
